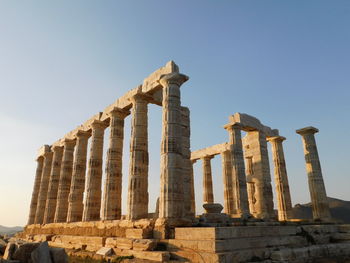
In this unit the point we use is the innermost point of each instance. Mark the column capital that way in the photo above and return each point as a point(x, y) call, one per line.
point(68, 142)
point(276, 139)
point(207, 157)
point(97, 124)
point(140, 97)
point(307, 130)
point(82, 134)
point(55, 148)
point(117, 112)
point(173, 78)
point(48, 154)
point(194, 161)
point(231, 126)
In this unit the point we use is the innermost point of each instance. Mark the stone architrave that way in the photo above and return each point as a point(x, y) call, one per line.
point(112, 195)
point(319, 200)
point(238, 170)
point(45, 177)
point(208, 196)
point(51, 201)
point(92, 204)
point(227, 180)
point(138, 170)
point(281, 179)
point(257, 148)
point(76, 194)
point(171, 181)
point(65, 181)
point(36, 188)
point(187, 164)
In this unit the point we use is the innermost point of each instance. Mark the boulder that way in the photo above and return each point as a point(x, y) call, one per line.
point(3, 245)
point(58, 255)
point(10, 250)
point(24, 251)
point(41, 254)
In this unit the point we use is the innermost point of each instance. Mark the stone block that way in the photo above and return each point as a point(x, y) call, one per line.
point(344, 228)
point(24, 251)
point(41, 254)
point(144, 244)
point(138, 233)
point(341, 237)
point(111, 242)
point(124, 243)
point(159, 256)
point(105, 251)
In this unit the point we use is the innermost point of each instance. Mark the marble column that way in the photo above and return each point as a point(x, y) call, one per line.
point(92, 204)
point(137, 206)
point(208, 196)
point(319, 200)
point(281, 179)
point(227, 180)
point(171, 179)
point(53, 184)
point(36, 188)
point(192, 193)
point(238, 170)
point(187, 165)
point(77, 187)
point(250, 185)
point(112, 195)
point(44, 183)
point(65, 181)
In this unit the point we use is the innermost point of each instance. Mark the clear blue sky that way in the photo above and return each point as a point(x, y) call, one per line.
point(285, 62)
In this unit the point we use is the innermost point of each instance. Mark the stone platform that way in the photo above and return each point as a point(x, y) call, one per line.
point(261, 242)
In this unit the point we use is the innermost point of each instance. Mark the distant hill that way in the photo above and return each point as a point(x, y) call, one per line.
point(10, 230)
point(340, 210)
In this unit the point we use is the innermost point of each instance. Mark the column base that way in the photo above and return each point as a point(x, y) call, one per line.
point(164, 228)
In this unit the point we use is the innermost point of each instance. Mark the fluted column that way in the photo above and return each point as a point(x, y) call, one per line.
point(92, 205)
point(171, 179)
point(250, 185)
point(65, 181)
point(76, 193)
point(227, 180)
point(238, 169)
point(192, 193)
point(36, 188)
point(112, 196)
point(281, 179)
point(45, 177)
point(187, 165)
point(138, 170)
point(319, 200)
point(53, 184)
point(208, 196)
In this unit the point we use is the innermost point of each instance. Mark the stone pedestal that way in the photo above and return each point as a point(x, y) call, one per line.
point(138, 170)
point(171, 181)
point(208, 196)
point(53, 185)
point(227, 180)
point(281, 179)
point(112, 196)
point(65, 181)
point(76, 194)
point(319, 201)
point(36, 188)
point(92, 204)
point(238, 169)
point(44, 184)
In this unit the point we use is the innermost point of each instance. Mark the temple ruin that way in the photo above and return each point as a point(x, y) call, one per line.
point(248, 228)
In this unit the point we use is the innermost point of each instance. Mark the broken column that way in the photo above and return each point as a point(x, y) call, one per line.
point(238, 169)
point(65, 181)
point(208, 196)
point(227, 180)
point(92, 204)
point(281, 179)
point(45, 177)
point(53, 184)
point(319, 201)
point(76, 193)
point(171, 181)
point(138, 170)
point(36, 188)
point(112, 196)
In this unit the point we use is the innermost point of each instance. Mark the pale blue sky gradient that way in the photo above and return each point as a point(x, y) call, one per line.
point(285, 62)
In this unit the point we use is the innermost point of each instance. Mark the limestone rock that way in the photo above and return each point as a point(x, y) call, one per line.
point(41, 254)
point(10, 250)
point(105, 251)
point(3, 245)
point(144, 244)
point(24, 251)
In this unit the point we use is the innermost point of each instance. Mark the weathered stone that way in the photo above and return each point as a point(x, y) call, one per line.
point(138, 233)
point(24, 251)
point(58, 255)
point(213, 208)
point(227, 180)
point(105, 251)
point(41, 254)
point(144, 244)
point(208, 196)
point(124, 243)
point(10, 250)
point(3, 245)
